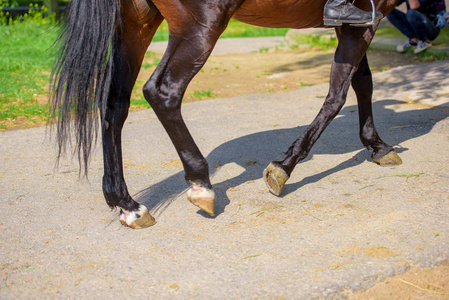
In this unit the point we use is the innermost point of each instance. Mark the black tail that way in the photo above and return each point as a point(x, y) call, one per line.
point(82, 72)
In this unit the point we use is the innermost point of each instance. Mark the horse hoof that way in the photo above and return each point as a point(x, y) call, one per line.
point(203, 198)
point(275, 178)
point(390, 159)
point(137, 219)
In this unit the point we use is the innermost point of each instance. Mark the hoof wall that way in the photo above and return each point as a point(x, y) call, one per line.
point(138, 219)
point(275, 178)
point(390, 159)
point(202, 198)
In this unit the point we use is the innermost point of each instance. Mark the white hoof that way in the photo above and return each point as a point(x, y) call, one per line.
point(203, 198)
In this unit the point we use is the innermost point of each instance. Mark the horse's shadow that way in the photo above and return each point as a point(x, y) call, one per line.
point(253, 152)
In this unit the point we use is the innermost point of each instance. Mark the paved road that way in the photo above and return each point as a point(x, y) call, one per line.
point(341, 223)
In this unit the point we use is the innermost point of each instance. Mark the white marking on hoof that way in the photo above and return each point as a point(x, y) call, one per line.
point(203, 198)
point(137, 219)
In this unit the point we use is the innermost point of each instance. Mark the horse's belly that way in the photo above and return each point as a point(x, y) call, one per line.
point(281, 13)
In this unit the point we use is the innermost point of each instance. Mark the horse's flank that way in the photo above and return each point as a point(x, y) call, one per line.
point(281, 14)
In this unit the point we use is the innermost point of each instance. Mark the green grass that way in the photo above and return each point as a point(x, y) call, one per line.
point(325, 43)
point(14, 3)
point(139, 102)
point(239, 29)
point(200, 95)
point(24, 66)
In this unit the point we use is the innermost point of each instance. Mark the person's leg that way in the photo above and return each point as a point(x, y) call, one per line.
point(399, 20)
point(424, 28)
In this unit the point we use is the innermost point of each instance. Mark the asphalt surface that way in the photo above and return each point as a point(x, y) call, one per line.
point(342, 222)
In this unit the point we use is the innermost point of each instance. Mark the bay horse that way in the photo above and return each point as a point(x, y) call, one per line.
point(101, 49)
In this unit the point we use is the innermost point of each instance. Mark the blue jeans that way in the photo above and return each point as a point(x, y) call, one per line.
point(413, 24)
point(442, 19)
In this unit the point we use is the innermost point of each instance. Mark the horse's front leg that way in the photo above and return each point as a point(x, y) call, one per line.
point(353, 43)
point(362, 83)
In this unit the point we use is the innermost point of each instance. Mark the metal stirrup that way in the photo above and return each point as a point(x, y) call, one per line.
point(373, 14)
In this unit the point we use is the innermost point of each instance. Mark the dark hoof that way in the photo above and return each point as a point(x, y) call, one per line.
point(390, 159)
point(275, 178)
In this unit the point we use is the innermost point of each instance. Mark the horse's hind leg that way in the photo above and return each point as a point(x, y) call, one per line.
point(192, 38)
point(164, 92)
point(362, 83)
point(127, 61)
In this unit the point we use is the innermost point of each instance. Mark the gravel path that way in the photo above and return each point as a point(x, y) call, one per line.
point(341, 223)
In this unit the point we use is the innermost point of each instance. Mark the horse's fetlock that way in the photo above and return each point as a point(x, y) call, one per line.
point(117, 194)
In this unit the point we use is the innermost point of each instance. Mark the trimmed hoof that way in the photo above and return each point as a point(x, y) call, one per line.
point(275, 178)
point(137, 219)
point(390, 159)
point(203, 198)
